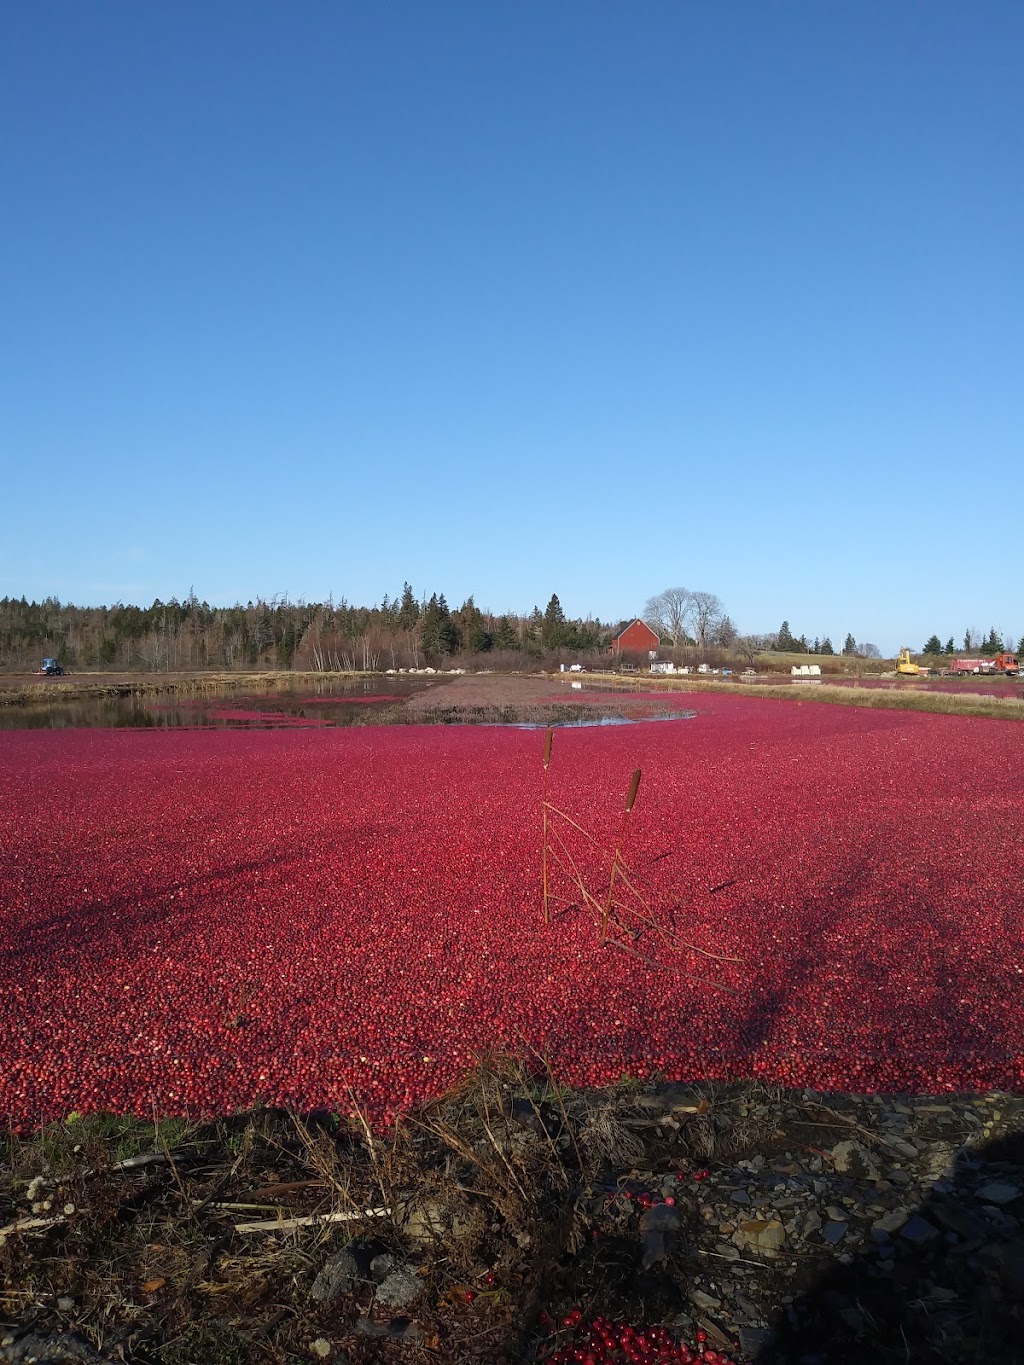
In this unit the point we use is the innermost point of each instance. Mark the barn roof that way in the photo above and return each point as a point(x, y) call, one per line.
point(636, 621)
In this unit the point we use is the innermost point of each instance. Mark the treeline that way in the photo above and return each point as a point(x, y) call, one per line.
point(404, 632)
point(989, 645)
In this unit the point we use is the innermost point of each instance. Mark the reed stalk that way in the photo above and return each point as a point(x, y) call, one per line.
point(634, 787)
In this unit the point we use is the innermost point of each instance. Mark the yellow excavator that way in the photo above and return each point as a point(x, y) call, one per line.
point(905, 668)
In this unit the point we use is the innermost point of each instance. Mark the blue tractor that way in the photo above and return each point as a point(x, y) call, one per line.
point(52, 668)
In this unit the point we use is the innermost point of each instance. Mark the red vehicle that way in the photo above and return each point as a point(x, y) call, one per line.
point(1005, 664)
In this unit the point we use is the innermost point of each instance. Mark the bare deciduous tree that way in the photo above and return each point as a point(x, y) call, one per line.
point(707, 613)
point(670, 612)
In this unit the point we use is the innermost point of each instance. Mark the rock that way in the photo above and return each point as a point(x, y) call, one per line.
point(659, 1230)
point(998, 1192)
point(956, 1218)
point(703, 1301)
point(904, 1148)
point(835, 1232)
point(812, 1222)
point(400, 1289)
point(918, 1231)
point(399, 1329)
point(49, 1348)
point(740, 1197)
point(891, 1222)
point(381, 1265)
point(66, 1304)
point(853, 1158)
point(754, 1340)
point(426, 1221)
point(336, 1276)
point(766, 1236)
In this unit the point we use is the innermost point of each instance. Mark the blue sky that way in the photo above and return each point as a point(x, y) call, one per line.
point(514, 298)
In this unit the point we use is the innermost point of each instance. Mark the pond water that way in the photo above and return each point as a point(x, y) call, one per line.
point(339, 702)
point(332, 703)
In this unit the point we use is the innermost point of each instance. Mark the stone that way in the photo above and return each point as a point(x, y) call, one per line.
point(381, 1266)
point(425, 1221)
point(49, 1348)
point(853, 1158)
point(399, 1329)
point(812, 1223)
point(764, 1235)
point(952, 1215)
point(754, 1340)
point(834, 1232)
point(703, 1301)
point(905, 1149)
point(998, 1192)
point(336, 1276)
point(399, 1290)
point(892, 1221)
point(918, 1231)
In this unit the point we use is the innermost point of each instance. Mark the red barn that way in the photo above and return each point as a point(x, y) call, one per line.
point(637, 636)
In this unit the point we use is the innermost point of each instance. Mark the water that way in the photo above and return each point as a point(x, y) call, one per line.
point(338, 702)
point(349, 702)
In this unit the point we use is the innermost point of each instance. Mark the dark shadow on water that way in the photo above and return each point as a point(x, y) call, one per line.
point(945, 1289)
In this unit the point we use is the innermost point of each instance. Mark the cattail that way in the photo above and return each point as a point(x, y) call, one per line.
point(634, 787)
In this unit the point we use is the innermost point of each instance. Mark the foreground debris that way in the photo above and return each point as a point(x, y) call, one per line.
point(516, 1222)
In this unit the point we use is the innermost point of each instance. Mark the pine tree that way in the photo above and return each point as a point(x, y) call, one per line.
point(1020, 646)
point(933, 645)
point(476, 639)
point(826, 646)
point(553, 632)
point(408, 609)
point(784, 641)
point(816, 647)
point(950, 646)
point(849, 645)
point(993, 643)
point(505, 634)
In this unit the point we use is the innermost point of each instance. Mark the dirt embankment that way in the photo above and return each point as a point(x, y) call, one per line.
point(497, 1224)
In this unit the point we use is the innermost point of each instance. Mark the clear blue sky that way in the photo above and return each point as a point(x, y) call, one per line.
point(518, 297)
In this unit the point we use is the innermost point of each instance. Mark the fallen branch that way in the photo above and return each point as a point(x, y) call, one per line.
point(30, 1225)
point(311, 1220)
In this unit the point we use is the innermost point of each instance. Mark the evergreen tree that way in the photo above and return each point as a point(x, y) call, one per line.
point(849, 645)
point(784, 642)
point(505, 634)
point(950, 646)
point(553, 631)
point(408, 609)
point(1020, 646)
point(993, 643)
point(816, 647)
point(933, 645)
point(826, 646)
point(476, 639)
point(801, 645)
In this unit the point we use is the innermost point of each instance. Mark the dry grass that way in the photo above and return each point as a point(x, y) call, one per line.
point(500, 1178)
point(942, 703)
point(91, 686)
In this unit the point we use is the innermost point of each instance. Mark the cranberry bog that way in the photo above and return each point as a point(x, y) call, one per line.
point(200, 922)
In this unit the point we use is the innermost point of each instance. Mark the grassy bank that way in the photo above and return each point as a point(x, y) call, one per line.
point(945, 703)
point(16, 691)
